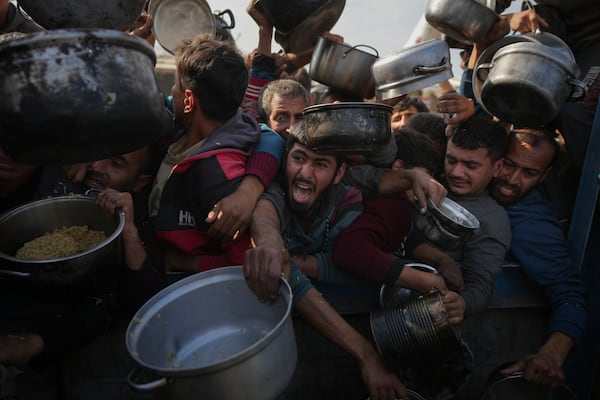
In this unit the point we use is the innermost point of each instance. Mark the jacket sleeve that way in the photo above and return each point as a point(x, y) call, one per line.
point(265, 160)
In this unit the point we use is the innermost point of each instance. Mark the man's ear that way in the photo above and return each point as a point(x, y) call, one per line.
point(340, 174)
point(498, 166)
point(397, 164)
point(189, 101)
point(142, 181)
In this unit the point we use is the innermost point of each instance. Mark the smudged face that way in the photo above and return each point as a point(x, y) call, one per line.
point(468, 171)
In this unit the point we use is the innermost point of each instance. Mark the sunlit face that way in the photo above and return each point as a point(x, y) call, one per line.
point(400, 118)
point(309, 174)
point(123, 173)
point(285, 112)
point(468, 171)
point(523, 168)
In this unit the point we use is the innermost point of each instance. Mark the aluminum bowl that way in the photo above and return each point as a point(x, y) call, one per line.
point(448, 226)
point(514, 387)
point(32, 220)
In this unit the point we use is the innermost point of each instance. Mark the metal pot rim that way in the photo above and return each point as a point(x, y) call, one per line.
point(76, 198)
point(346, 105)
point(57, 36)
point(191, 282)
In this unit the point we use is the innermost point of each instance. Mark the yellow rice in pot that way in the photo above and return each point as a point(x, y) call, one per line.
point(61, 242)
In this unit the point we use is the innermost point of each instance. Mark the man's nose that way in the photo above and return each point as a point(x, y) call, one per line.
point(100, 165)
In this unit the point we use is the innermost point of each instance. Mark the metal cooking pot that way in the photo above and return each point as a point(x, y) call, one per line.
point(464, 20)
point(78, 95)
point(176, 20)
point(396, 296)
point(448, 226)
point(299, 23)
point(32, 220)
point(223, 27)
point(514, 387)
point(100, 14)
point(348, 127)
point(413, 68)
point(345, 68)
point(208, 335)
point(527, 83)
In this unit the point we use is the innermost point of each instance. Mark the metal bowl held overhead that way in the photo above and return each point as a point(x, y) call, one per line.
point(78, 95)
point(208, 335)
point(100, 14)
point(298, 23)
point(352, 128)
point(413, 68)
point(32, 220)
point(344, 68)
point(527, 83)
point(464, 20)
point(176, 20)
point(448, 226)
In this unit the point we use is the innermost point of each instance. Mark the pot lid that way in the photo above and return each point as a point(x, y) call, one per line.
point(176, 20)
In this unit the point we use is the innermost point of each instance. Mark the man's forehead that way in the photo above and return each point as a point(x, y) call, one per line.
point(298, 147)
point(466, 154)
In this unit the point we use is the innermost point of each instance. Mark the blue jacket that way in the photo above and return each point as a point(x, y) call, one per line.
point(539, 244)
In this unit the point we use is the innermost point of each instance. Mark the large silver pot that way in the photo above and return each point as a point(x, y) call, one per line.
point(101, 14)
point(345, 68)
point(413, 68)
point(514, 387)
point(527, 83)
point(207, 336)
point(353, 128)
point(31, 220)
point(78, 95)
point(464, 20)
point(176, 20)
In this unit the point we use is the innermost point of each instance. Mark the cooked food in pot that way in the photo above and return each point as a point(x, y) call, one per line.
point(61, 242)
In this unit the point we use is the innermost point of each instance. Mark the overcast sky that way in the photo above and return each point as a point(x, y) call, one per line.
point(385, 25)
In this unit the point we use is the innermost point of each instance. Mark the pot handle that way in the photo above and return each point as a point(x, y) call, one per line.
point(6, 272)
point(579, 88)
point(361, 45)
point(421, 69)
point(479, 70)
point(147, 386)
point(231, 24)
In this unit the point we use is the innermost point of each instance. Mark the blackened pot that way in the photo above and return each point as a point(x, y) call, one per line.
point(78, 95)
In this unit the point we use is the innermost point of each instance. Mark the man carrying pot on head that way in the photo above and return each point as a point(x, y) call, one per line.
point(302, 213)
point(473, 157)
point(539, 245)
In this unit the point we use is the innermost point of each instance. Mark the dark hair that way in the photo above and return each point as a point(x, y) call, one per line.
point(216, 72)
point(298, 134)
point(535, 137)
point(416, 150)
point(430, 125)
point(287, 88)
point(481, 132)
point(410, 101)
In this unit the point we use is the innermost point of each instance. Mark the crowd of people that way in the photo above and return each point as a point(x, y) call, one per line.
point(238, 183)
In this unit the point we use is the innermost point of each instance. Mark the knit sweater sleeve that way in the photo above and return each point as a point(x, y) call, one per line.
point(266, 156)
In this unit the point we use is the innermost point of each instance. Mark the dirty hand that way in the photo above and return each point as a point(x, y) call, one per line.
point(460, 107)
point(111, 200)
point(452, 275)
point(526, 21)
point(75, 172)
point(258, 16)
point(455, 307)
point(263, 267)
point(382, 384)
point(229, 218)
point(423, 186)
point(539, 369)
